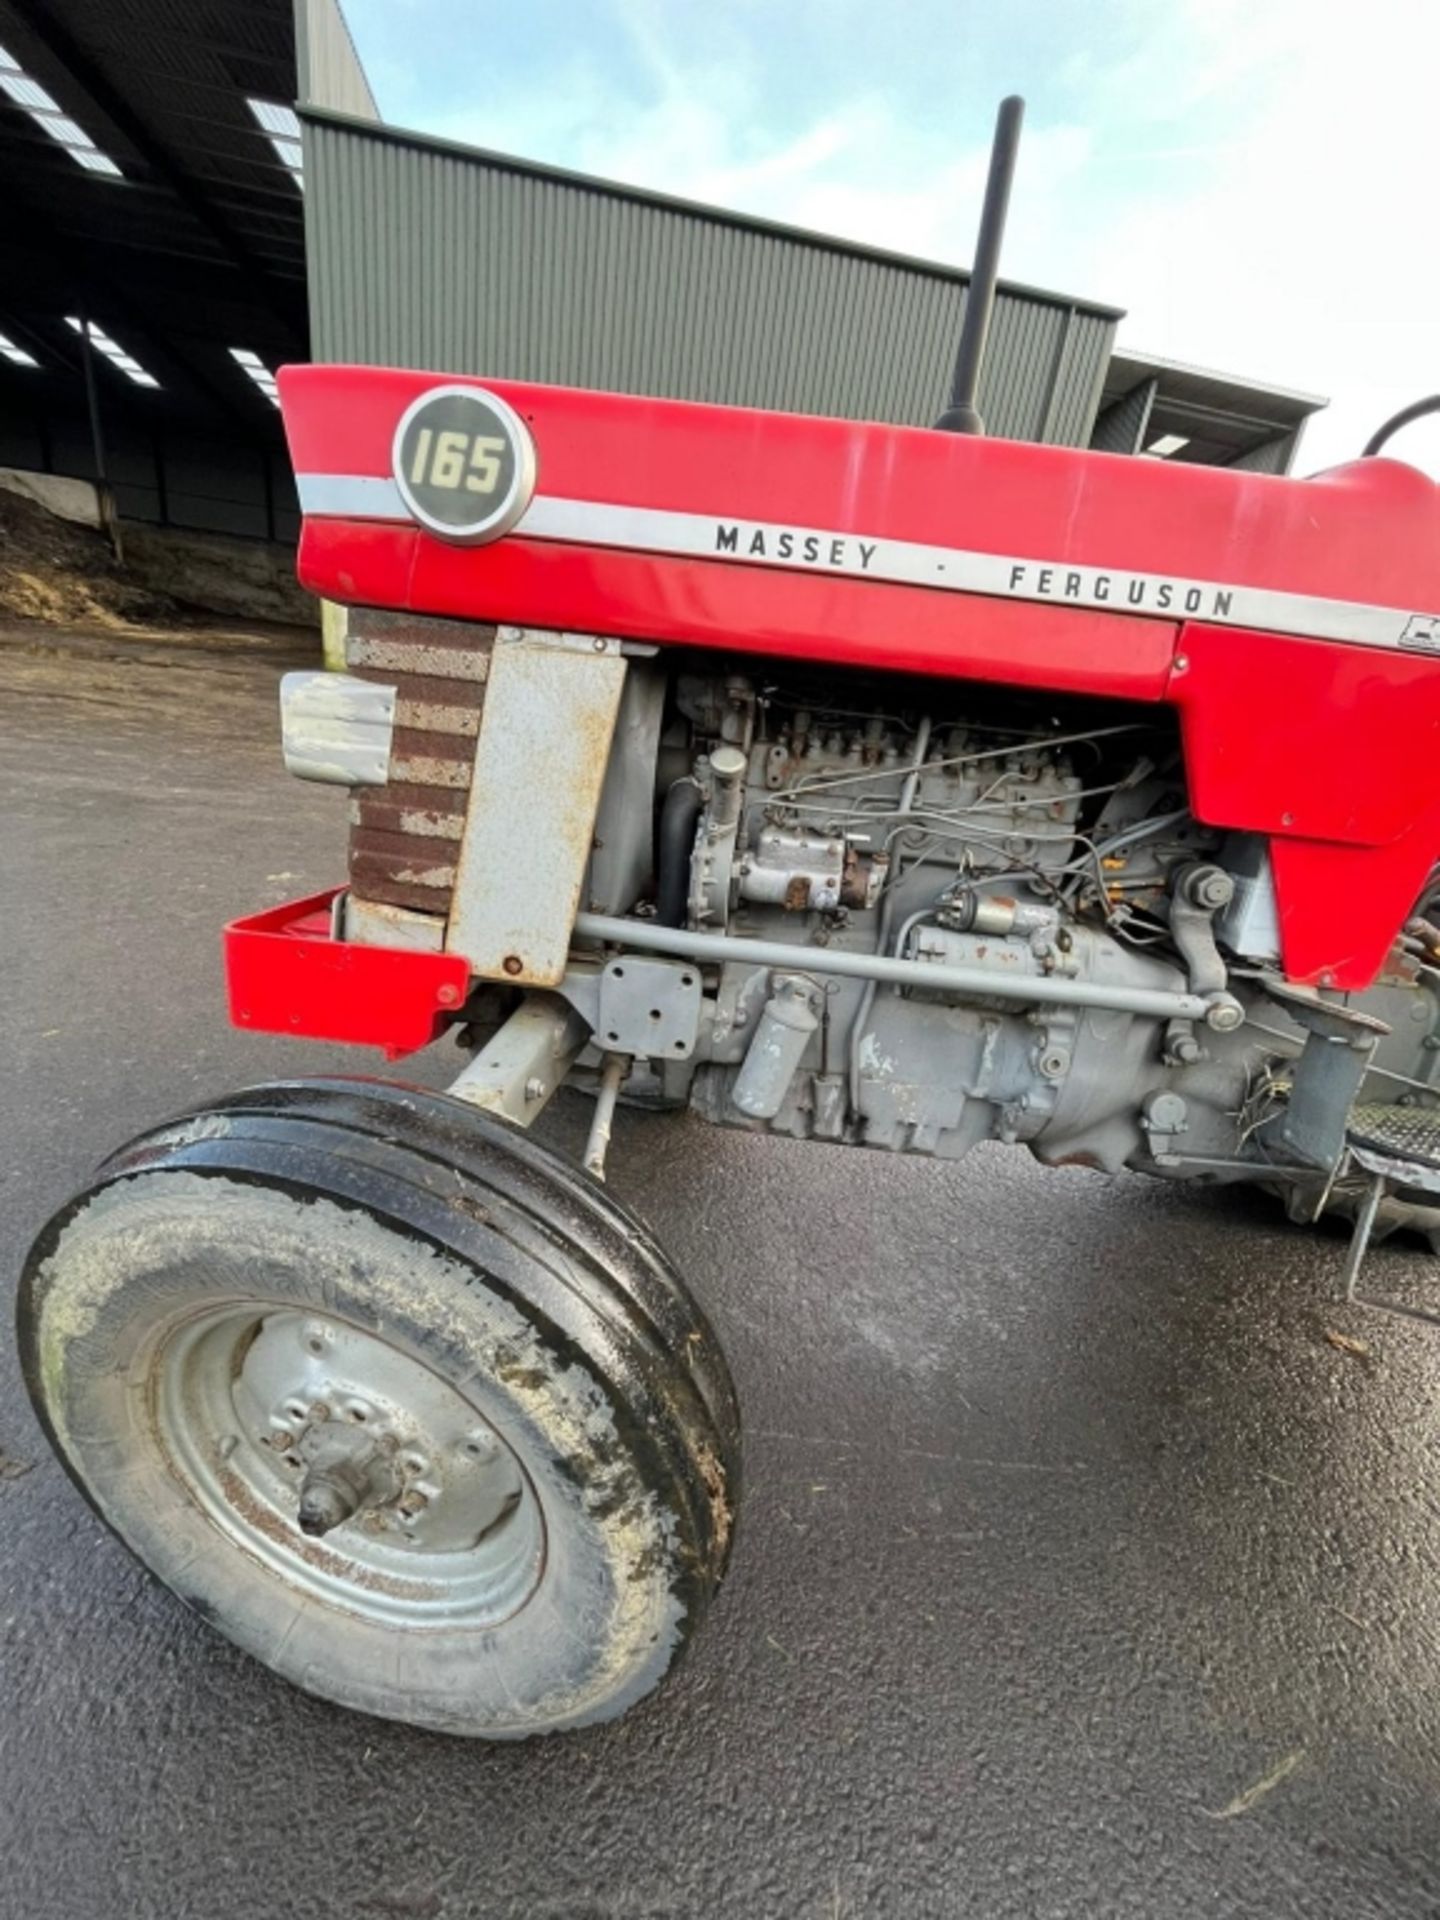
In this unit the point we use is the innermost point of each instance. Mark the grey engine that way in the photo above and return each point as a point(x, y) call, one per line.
point(991, 834)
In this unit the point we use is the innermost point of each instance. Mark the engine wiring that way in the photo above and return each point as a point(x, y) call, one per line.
point(1265, 1094)
point(828, 795)
point(817, 782)
point(883, 802)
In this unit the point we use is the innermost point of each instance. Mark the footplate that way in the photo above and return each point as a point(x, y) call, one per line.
point(1399, 1147)
point(1406, 1137)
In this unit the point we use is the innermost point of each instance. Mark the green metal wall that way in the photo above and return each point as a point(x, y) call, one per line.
point(425, 254)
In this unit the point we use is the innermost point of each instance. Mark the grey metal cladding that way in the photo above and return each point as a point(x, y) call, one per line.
point(328, 69)
point(425, 254)
point(1273, 456)
point(1122, 426)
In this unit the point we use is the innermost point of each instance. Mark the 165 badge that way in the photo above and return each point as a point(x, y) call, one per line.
point(464, 462)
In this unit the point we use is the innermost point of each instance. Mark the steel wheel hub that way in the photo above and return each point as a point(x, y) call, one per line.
point(347, 1465)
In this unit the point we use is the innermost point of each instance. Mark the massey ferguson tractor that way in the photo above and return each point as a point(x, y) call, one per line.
point(890, 787)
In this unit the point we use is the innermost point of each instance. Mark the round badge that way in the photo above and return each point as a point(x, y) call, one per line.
point(464, 463)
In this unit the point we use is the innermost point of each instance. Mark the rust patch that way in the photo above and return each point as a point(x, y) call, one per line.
point(403, 835)
point(426, 813)
point(429, 824)
point(409, 744)
point(266, 1521)
point(427, 716)
point(426, 689)
point(395, 879)
point(430, 770)
point(459, 649)
point(854, 887)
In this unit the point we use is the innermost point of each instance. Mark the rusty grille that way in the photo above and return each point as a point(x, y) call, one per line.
point(404, 836)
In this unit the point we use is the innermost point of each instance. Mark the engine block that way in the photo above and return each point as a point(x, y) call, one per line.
point(973, 833)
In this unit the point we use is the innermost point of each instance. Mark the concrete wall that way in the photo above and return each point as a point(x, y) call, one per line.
point(76, 500)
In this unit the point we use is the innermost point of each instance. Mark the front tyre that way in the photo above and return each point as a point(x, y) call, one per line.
point(398, 1401)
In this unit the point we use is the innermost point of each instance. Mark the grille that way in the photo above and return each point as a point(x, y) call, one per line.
point(404, 836)
point(1409, 1133)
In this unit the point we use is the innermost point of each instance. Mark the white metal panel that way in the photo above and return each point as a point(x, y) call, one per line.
point(336, 727)
point(549, 715)
point(375, 923)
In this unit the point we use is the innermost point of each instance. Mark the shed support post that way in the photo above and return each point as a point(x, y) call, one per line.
point(109, 519)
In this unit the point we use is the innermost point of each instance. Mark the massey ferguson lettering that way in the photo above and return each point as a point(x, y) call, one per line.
point(788, 546)
point(965, 572)
point(1145, 592)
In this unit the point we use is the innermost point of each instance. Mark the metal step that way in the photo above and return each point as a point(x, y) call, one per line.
point(1408, 1134)
point(1399, 1147)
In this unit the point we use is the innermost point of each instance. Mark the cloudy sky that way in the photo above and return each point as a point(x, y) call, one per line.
point(1252, 180)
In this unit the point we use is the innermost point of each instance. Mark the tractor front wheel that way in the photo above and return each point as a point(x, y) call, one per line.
point(398, 1401)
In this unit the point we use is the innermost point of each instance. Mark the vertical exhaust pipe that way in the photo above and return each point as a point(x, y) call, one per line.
point(961, 415)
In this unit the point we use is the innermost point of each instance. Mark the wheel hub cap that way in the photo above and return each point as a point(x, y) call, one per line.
point(332, 1452)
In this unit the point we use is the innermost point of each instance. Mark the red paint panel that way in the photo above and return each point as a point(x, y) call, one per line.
point(1342, 906)
point(1327, 748)
point(284, 974)
point(1334, 751)
point(1299, 736)
point(713, 603)
point(1368, 532)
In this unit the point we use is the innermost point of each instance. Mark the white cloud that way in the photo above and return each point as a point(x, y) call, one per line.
point(1252, 180)
point(1304, 255)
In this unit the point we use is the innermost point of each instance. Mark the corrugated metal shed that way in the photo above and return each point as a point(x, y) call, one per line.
point(1198, 416)
point(328, 66)
point(426, 254)
point(182, 238)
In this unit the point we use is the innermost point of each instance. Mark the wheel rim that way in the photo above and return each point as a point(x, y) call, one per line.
point(350, 1469)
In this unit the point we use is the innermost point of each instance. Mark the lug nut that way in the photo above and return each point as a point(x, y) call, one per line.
point(412, 1503)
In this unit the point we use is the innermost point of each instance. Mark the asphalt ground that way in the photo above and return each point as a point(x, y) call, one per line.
point(1079, 1573)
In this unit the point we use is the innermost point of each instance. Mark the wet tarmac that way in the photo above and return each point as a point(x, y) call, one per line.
point(1080, 1573)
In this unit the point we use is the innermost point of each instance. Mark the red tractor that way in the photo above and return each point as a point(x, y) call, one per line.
point(885, 786)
